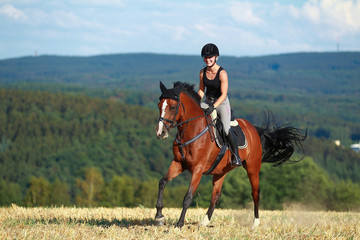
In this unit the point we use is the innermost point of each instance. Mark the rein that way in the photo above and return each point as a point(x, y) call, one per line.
point(181, 145)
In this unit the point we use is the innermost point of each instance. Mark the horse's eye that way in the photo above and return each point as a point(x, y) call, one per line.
point(173, 107)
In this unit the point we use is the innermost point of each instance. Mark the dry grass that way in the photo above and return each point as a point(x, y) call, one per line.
point(138, 223)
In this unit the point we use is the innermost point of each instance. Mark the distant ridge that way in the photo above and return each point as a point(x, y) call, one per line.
point(335, 73)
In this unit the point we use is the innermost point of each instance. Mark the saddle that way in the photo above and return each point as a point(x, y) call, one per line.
point(220, 139)
point(219, 133)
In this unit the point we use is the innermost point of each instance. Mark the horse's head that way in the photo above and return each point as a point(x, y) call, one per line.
point(169, 110)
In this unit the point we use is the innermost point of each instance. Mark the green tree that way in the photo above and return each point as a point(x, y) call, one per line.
point(120, 192)
point(202, 196)
point(38, 192)
point(59, 194)
point(174, 195)
point(303, 182)
point(90, 188)
point(344, 196)
point(9, 193)
point(313, 184)
point(236, 191)
point(146, 195)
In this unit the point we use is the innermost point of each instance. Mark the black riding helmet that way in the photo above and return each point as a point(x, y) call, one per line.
point(209, 50)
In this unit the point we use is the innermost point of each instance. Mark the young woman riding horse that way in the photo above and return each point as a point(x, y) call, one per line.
point(215, 79)
point(195, 150)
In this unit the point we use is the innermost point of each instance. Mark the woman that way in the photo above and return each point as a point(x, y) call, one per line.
point(214, 78)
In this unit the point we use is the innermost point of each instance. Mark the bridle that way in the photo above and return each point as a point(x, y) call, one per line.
point(172, 124)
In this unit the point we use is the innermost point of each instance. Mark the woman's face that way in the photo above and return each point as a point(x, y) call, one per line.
point(210, 61)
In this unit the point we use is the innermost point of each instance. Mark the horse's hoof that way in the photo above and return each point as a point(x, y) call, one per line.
point(159, 221)
point(205, 221)
point(256, 223)
point(179, 225)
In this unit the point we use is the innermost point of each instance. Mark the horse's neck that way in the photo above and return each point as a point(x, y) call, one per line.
point(194, 114)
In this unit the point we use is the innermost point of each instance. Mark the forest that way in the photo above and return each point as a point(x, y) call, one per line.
point(68, 123)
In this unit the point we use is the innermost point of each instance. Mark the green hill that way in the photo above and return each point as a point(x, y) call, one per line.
point(55, 141)
point(61, 116)
point(314, 73)
point(321, 89)
point(55, 136)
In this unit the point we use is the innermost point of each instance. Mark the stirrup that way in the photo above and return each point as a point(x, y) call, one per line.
point(235, 160)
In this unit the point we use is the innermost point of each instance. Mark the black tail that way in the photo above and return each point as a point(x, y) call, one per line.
point(279, 142)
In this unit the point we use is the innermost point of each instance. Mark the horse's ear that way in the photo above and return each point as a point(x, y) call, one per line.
point(162, 87)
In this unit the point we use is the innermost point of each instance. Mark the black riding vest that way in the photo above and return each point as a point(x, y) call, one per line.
point(213, 88)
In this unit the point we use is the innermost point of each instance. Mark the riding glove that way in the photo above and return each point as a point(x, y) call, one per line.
point(209, 110)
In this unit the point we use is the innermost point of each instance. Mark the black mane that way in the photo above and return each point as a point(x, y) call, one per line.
point(188, 89)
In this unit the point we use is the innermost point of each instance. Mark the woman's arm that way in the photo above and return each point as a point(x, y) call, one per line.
point(201, 85)
point(224, 84)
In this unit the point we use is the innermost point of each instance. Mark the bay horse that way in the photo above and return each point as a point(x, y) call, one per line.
point(195, 150)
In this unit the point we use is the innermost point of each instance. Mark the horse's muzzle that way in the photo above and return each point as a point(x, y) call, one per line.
point(162, 132)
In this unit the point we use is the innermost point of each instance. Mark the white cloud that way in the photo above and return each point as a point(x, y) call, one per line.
point(314, 25)
point(12, 12)
point(179, 32)
point(67, 19)
point(244, 12)
point(312, 11)
point(340, 15)
point(239, 27)
point(208, 30)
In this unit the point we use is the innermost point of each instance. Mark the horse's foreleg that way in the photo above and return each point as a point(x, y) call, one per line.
point(215, 196)
point(254, 181)
point(174, 170)
point(195, 180)
point(159, 218)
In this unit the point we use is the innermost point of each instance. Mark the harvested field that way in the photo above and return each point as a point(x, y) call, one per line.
point(138, 223)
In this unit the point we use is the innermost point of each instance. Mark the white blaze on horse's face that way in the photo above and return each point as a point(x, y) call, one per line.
point(162, 131)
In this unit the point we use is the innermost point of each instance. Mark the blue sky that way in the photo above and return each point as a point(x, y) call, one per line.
point(239, 28)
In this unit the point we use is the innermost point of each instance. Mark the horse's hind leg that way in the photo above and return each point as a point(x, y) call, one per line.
point(174, 170)
point(254, 181)
point(215, 196)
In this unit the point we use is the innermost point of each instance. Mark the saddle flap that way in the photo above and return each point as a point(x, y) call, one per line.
point(220, 135)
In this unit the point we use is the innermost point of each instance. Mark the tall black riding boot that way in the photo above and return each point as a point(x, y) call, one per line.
point(235, 159)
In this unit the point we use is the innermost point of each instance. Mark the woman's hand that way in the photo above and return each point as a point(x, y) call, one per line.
point(209, 110)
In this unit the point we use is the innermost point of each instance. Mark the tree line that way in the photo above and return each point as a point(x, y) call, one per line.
point(304, 184)
point(77, 150)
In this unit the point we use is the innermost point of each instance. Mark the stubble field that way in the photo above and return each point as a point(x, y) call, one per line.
point(138, 223)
